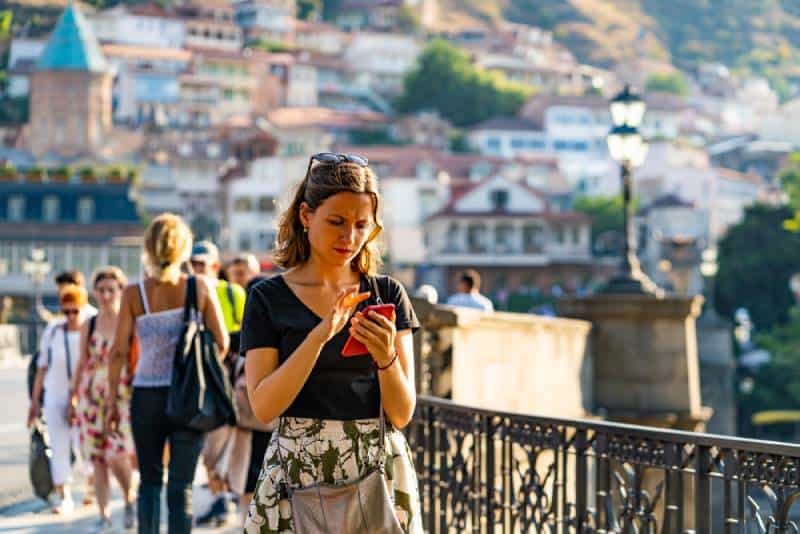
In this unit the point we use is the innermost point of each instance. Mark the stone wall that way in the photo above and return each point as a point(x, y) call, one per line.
point(506, 361)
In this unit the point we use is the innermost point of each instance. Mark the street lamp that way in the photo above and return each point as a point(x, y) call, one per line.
point(629, 149)
point(37, 268)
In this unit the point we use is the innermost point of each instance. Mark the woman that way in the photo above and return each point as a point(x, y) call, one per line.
point(57, 362)
point(89, 392)
point(153, 309)
point(295, 327)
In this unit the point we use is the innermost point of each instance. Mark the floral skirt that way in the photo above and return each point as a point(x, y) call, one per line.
point(325, 450)
point(96, 446)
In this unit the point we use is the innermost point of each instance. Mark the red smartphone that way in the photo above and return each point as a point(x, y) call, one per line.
point(354, 347)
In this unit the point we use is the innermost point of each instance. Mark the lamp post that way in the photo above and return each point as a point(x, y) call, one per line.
point(37, 268)
point(629, 149)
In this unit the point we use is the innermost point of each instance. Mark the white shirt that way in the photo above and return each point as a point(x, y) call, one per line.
point(471, 300)
point(53, 356)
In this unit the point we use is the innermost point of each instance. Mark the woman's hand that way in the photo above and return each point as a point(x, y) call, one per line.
point(111, 425)
point(333, 323)
point(33, 412)
point(377, 333)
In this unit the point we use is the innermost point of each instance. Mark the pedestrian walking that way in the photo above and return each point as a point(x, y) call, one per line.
point(90, 383)
point(58, 357)
point(226, 451)
point(469, 292)
point(339, 416)
point(153, 310)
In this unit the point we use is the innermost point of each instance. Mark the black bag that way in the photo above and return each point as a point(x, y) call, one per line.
point(39, 462)
point(200, 395)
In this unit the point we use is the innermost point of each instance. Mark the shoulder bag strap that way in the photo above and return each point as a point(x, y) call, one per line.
point(373, 280)
point(92, 325)
point(190, 299)
point(53, 333)
point(232, 300)
point(67, 352)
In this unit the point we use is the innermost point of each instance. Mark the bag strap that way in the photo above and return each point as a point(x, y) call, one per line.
point(68, 353)
point(92, 325)
point(232, 300)
point(190, 300)
point(143, 296)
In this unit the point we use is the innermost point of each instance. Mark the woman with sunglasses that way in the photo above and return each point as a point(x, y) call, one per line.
point(106, 452)
point(57, 364)
point(295, 327)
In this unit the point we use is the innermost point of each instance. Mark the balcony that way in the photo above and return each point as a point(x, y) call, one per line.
point(486, 471)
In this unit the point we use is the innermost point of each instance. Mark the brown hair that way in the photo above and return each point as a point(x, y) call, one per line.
point(323, 181)
point(73, 294)
point(167, 245)
point(471, 278)
point(70, 277)
point(109, 273)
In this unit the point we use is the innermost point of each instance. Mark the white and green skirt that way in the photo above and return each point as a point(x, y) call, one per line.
point(334, 452)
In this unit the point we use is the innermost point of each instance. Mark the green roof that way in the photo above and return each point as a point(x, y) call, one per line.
point(72, 45)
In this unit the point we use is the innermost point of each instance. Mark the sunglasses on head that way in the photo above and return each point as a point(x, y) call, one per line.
point(70, 311)
point(330, 157)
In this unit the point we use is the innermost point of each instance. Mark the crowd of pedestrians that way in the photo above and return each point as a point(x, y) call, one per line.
point(316, 417)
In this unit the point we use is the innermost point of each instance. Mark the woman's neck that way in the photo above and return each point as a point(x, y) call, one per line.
point(110, 312)
point(326, 274)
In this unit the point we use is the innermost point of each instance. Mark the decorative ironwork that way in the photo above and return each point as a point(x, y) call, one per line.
point(482, 471)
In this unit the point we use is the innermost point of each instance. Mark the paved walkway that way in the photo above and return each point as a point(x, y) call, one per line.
point(33, 516)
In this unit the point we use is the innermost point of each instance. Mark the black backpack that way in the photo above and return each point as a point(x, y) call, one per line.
point(200, 395)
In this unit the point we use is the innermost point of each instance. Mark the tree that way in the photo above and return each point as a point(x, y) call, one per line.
point(308, 9)
point(446, 80)
point(673, 83)
point(606, 213)
point(756, 259)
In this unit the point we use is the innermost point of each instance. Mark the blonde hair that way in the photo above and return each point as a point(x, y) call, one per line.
point(73, 294)
point(167, 245)
point(109, 272)
point(323, 181)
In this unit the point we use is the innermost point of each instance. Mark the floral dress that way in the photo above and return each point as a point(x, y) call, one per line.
point(92, 406)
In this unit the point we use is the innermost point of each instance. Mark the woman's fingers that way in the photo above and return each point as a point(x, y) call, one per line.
point(382, 321)
point(353, 299)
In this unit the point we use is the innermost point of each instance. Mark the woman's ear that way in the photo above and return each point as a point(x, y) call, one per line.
point(305, 214)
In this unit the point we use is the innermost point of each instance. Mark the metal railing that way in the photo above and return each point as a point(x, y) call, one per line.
point(484, 471)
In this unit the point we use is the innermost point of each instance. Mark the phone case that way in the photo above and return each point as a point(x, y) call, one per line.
point(354, 347)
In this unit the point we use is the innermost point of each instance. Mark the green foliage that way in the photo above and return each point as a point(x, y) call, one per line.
point(607, 219)
point(407, 21)
point(6, 19)
point(459, 142)
point(789, 178)
point(673, 83)
point(14, 110)
point(777, 383)
point(756, 259)
point(308, 9)
point(63, 170)
point(269, 46)
point(372, 137)
point(445, 80)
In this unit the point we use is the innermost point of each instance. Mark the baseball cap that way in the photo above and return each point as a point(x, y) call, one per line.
point(205, 251)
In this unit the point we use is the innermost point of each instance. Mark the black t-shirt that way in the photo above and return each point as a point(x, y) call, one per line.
point(338, 388)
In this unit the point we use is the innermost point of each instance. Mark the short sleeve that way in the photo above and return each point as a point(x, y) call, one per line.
point(406, 318)
point(258, 328)
point(45, 339)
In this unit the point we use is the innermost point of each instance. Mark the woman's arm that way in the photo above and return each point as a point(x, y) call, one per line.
point(82, 361)
point(120, 349)
point(212, 315)
point(398, 392)
point(38, 385)
point(393, 353)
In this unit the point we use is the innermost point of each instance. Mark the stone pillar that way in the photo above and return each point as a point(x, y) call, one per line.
point(645, 354)
point(717, 372)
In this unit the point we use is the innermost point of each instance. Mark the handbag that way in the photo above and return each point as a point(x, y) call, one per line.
point(246, 418)
point(39, 461)
point(200, 395)
point(360, 507)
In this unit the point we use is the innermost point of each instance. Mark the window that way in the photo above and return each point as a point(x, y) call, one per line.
point(266, 204)
point(499, 199)
point(493, 144)
point(503, 238)
point(244, 242)
point(424, 171)
point(50, 208)
point(532, 239)
point(476, 237)
point(16, 208)
point(243, 204)
point(517, 143)
point(560, 234)
point(85, 209)
point(576, 235)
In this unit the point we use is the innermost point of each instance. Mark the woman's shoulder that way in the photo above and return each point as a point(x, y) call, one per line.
point(267, 287)
point(390, 284)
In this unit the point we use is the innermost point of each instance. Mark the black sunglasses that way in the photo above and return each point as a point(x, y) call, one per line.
point(330, 157)
point(70, 312)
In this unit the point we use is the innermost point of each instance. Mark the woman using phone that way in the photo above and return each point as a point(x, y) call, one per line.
point(295, 327)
